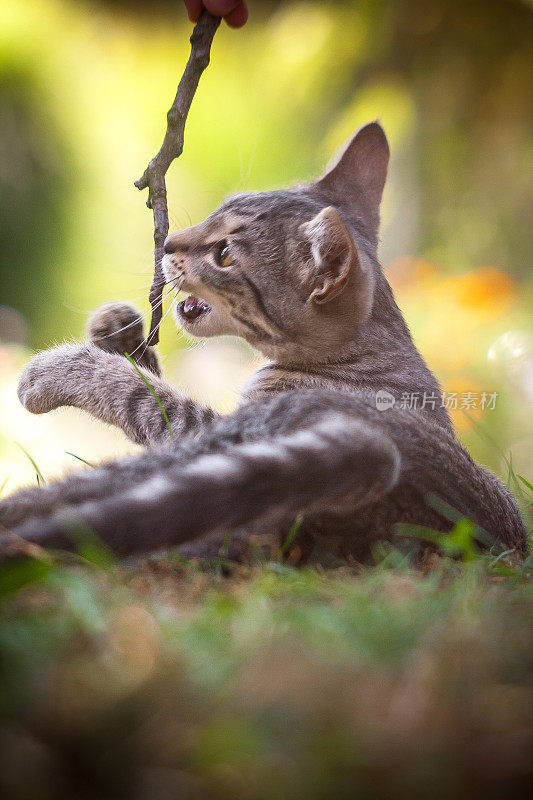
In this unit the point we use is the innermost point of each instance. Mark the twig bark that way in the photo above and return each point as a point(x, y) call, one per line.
point(153, 178)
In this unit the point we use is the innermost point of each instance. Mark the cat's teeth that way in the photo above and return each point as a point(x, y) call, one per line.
point(193, 307)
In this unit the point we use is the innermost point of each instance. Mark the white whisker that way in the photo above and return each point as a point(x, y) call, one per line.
point(177, 222)
point(136, 320)
point(146, 338)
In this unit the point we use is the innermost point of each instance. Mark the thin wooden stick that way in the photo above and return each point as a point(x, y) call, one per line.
point(153, 178)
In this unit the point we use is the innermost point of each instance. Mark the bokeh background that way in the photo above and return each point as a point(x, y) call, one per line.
point(84, 88)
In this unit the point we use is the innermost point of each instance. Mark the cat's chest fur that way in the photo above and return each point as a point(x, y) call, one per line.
point(362, 380)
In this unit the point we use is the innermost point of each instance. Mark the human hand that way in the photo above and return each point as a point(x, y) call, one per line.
point(234, 12)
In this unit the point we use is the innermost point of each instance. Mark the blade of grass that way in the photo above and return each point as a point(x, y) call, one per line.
point(153, 391)
point(3, 486)
point(224, 547)
point(458, 543)
point(526, 483)
point(485, 435)
point(223, 551)
point(511, 475)
point(502, 555)
point(79, 458)
point(453, 515)
point(291, 536)
point(39, 474)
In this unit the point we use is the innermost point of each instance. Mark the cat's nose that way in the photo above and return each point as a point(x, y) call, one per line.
point(178, 241)
point(170, 245)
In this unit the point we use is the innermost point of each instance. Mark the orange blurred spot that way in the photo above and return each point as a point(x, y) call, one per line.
point(488, 290)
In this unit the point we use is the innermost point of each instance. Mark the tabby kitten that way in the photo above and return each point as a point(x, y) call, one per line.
point(295, 273)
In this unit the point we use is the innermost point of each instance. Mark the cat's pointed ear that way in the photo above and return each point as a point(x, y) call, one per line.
point(333, 252)
point(358, 174)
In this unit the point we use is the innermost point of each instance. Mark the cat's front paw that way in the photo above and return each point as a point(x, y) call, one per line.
point(118, 328)
point(43, 385)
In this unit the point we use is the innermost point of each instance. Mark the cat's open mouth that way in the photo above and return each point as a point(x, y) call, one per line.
point(193, 308)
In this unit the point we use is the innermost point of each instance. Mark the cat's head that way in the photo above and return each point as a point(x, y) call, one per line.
point(291, 271)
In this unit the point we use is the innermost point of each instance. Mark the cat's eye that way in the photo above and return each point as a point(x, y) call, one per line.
point(223, 255)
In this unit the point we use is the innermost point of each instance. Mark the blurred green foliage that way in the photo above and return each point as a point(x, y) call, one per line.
point(84, 88)
point(165, 681)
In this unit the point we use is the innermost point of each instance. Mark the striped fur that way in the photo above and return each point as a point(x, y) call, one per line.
point(303, 285)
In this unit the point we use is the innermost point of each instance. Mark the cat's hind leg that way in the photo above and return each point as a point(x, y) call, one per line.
point(336, 461)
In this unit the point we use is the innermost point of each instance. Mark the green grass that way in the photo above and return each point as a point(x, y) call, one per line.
point(165, 680)
point(38, 473)
point(152, 391)
point(162, 679)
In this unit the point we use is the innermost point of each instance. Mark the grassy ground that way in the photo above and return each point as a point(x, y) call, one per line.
point(161, 680)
